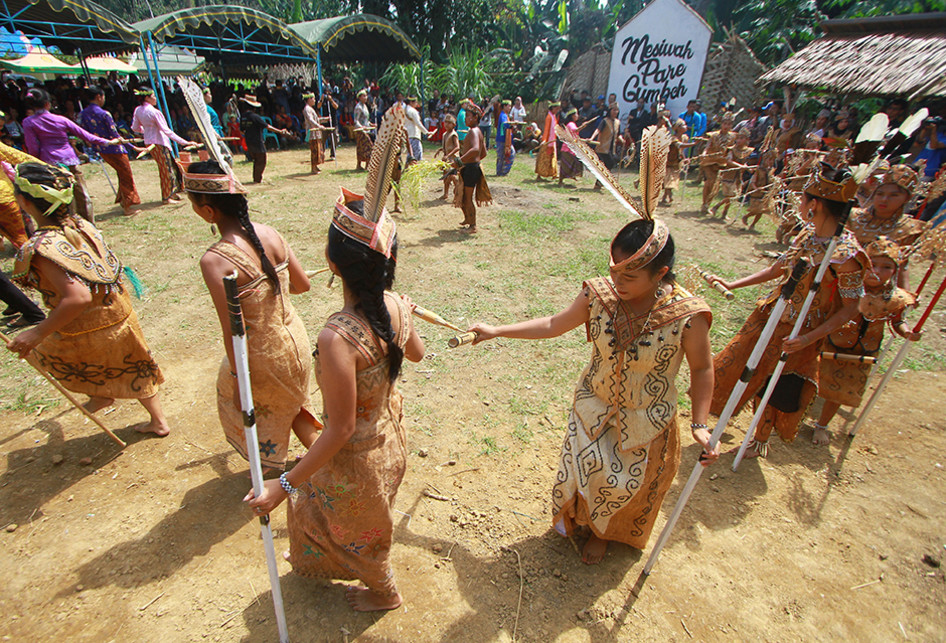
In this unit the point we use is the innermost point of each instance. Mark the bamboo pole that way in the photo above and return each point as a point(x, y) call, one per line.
point(31, 360)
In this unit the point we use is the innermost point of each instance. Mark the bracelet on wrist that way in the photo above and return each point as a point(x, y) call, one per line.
point(694, 426)
point(285, 484)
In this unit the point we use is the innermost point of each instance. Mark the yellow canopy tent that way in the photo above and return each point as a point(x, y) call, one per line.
point(40, 62)
point(106, 64)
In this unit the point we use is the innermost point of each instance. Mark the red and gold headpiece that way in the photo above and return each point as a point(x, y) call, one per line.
point(651, 248)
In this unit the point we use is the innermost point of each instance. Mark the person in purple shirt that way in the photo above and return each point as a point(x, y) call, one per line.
point(98, 121)
point(46, 136)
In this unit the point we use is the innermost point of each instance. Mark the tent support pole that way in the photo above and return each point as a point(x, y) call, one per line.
point(423, 91)
point(159, 90)
point(318, 66)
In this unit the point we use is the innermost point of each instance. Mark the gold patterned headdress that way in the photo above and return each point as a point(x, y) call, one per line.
point(883, 247)
point(374, 227)
point(651, 248)
point(901, 176)
point(225, 183)
point(832, 184)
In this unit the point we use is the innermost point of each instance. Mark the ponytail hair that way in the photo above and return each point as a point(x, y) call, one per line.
point(37, 98)
point(234, 206)
point(368, 274)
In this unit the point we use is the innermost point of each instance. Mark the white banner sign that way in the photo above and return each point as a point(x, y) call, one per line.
point(659, 56)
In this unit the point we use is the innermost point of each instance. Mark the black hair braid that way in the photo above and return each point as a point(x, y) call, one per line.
point(368, 274)
point(236, 206)
point(243, 216)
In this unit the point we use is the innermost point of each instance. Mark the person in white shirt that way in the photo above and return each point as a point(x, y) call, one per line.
point(518, 111)
point(150, 122)
point(415, 129)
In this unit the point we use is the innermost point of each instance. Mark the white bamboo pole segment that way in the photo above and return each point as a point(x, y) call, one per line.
point(238, 332)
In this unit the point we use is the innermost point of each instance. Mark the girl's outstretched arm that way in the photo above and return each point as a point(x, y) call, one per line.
point(696, 347)
point(540, 328)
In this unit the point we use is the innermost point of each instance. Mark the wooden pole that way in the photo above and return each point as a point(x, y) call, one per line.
point(31, 360)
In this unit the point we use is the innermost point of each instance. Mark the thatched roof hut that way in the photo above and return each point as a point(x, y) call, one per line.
point(885, 56)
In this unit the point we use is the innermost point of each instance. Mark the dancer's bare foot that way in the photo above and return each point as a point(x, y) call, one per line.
point(821, 435)
point(442, 197)
point(98, 403)
point(130, 212)
point(159, 427)
point(285, 555)
point(471, 229)
point(594, 550)
point(752, 451)
point(363, 599)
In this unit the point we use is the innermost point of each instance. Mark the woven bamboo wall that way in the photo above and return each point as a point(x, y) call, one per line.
point(731, 71)
point(590, 71)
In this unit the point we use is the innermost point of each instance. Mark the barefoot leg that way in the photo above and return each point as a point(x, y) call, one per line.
point(158, 424)
point(594, 550)
point(821, 434)
point(98, 403)
point(363, 599)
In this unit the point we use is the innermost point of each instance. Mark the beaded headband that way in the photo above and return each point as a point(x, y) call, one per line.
point(377, 236)
point(883, 247)
point(210, 183)
point(55, 196)
point(902, 176)
point(308, 96)
point(146, 91)
point(651, 248)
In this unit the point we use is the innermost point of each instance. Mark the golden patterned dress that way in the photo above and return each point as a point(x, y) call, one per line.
point(102, 352)
point(546, 161)
point(798, 384)
point(674, 161)
point(730, 179)
point(844, 382)
point(760, 199)
point(713, 160)
point(279, 356)
point(622, 450)
point(341, 522)
point(902, 230)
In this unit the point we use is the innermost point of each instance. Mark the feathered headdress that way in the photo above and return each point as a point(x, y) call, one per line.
point(227, 182)
point(655, 143)
point(374, 227)
point(591, 161)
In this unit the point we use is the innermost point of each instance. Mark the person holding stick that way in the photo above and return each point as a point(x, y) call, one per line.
point(341, 521)
point(363, 128)
point(730, 177)
point(569, 167)
point(713, 159)
point(842, 382)
point(278, 348)
point(823, 205)
point(641, 324)
point(761, 190)
point(91, 342)
point(150, 122)
point(313, 129)
point(675, 159)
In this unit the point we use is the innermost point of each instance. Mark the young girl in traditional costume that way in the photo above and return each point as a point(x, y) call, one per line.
point(885, 216)
point(91, 341)
point(842, 382)
point(277, 345)
point(546, 161)
point(622, 449)
point(730, 178)
point(341, 521)
point(675, 158)
point(761, 191)
point(835, 303)
point(713, 159)
point(450, 149)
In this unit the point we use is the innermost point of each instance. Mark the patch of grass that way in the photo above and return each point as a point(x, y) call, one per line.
point(521, 223)
point(23, 403)
point(523, 433)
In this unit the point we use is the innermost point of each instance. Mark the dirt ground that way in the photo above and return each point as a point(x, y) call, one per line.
point(153, 543)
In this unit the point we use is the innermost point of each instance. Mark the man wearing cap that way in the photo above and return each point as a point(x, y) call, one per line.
point(363, 127)
point(254, 128)
point(313, 135)
point(415, 129)
point(149, 121)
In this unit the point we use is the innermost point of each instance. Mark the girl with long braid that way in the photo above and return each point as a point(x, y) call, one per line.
point(341, 521)
point(279, 352)
point(91, 341)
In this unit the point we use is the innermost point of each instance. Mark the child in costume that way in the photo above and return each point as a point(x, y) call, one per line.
point(278, 348)
point(823, 202)
point(730, 177)
point(569, 167)
point(841, 382)
point(449, 148)
point(342, 491)
point(622, 449)
point(91, 341)
point(714, 159)
point(675, 158)
point(761, 191)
